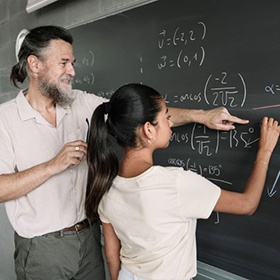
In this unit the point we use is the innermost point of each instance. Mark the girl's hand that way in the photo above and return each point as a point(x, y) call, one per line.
point(269, 135)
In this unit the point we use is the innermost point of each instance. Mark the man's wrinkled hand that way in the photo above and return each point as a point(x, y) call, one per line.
point(221, 119)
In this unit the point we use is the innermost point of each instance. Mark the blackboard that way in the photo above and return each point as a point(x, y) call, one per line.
point(203, 54)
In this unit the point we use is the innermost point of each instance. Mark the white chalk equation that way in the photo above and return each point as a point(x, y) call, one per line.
point(225, 90)
point(271, 89)
point(86, 63)
point(196, 97)
point(207, 142)
point(211, 172)
point(105, 94)
point(179, 37)
point(181, 47)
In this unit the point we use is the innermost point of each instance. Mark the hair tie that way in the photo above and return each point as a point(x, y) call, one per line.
point(107, 106)
point(20, 38)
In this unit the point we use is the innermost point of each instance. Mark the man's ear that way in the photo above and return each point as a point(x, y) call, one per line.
point(33, 63)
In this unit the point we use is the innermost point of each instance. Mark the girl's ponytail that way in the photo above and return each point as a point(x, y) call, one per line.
point(130, 107)
point(102, 161)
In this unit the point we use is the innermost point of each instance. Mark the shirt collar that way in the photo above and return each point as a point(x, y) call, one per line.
point(26, 111)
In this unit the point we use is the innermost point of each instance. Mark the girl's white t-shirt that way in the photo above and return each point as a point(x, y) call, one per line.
point(154, 215)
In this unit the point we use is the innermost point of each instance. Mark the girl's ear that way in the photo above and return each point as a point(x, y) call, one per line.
point(33, 63)
point(148, 130)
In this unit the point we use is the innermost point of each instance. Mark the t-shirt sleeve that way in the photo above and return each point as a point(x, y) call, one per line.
point(101, 211)
point(197, 196)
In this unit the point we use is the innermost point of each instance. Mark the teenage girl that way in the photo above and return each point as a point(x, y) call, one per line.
point(149, 212)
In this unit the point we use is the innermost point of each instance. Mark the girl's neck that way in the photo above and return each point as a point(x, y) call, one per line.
point(135, 162)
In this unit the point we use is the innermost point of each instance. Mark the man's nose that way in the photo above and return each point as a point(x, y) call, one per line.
point(71, 70)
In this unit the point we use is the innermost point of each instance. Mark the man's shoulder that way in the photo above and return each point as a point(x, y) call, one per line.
point(77, 93)
point(8, 110)
point(90, 98)
point(8, 106)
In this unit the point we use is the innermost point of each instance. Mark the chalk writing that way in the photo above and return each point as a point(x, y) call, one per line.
point(218, 91)
point(182, 58)
point(178, 49)
point(86, 63)
point(272, 192)
point(218, 218)
point(200, 140)
point(87, 79)
point(178, 37)
point(245, 138)
point(272, 88)
point(141, 68)
point(176, 162)
point(165, 97)
point(106, 94)
point(267, 107)
point(211, 172)
point(207, 142)
point(179, 137)
point(225, 90)
point(189, 96)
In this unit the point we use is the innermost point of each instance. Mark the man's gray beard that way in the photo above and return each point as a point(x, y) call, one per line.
point(59, 96)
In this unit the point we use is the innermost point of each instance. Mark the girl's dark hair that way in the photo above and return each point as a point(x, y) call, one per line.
point(35, 43)
point(130, 107)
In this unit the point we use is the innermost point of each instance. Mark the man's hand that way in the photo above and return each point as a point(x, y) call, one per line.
point(15, 185)
point(220, 119)
point(71, 154)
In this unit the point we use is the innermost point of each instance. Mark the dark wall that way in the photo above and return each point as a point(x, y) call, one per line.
point(203, 54)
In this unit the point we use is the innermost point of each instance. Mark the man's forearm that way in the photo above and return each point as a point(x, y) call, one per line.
point(184, 116)
point(13, 186)
point(218, 118)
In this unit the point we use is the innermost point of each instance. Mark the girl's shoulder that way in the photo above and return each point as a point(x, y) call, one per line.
point(168, 169)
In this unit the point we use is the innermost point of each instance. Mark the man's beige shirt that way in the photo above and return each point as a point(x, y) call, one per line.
point(26, 140)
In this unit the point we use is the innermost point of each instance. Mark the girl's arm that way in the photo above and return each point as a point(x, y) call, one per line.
point(112, 250)
point(248, 201)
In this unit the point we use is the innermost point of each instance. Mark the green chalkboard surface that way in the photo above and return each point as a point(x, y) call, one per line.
point(203, 54)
